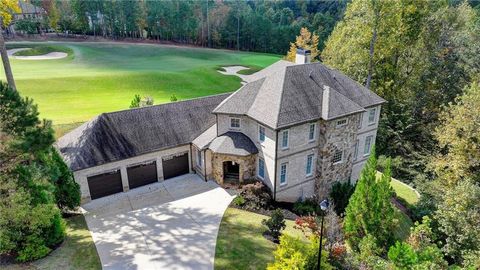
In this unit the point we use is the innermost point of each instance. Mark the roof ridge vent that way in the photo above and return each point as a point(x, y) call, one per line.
point(325, 101)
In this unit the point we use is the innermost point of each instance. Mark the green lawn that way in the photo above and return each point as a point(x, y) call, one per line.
point(103, 77)
point(403, 190)
point(76, 252)
point(240, 243)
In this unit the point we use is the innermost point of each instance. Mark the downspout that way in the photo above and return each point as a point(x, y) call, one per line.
point(275, 172)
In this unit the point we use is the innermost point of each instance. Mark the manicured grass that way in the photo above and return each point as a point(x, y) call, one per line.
point(76, 252)
point(250, 70)
point(62, 129)
point(104, 77)
point(404, 224)
point(240, 243)
point(41, 50)
point(403, 190)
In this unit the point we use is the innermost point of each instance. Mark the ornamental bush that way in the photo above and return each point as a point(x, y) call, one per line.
point(275, 224)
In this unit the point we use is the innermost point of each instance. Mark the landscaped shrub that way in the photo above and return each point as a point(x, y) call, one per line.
point(275, 224)
point(239, 201)
point(341, 193)
point(257, 196)
point(307, 207)
point(293, 253)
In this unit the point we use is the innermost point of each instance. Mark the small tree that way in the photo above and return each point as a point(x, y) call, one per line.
point(305, 40)
point(402, 255)
point(341, 193)
point(173, 98)
point(135, 102)
point(275, 224)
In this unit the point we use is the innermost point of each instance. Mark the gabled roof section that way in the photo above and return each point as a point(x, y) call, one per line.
point(286, 94)
point(119, 135)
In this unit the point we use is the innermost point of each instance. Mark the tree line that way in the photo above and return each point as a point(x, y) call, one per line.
point(266, 26)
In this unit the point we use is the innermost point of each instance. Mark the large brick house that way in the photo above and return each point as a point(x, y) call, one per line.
point(297, 127)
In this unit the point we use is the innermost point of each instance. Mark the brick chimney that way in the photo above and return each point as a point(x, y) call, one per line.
point(302, 56)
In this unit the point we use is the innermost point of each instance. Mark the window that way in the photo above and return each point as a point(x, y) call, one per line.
point(283, 174)
point(337, 157)
point(199, 157)
point(371, 116)
point(368, 144)
point(261, 133)
point(261, 168)
point(355, 154)
point(341, 122)
point(311, 132)
point(235, 122)
point(360, 120)
point(309, 170)
point(285, 139)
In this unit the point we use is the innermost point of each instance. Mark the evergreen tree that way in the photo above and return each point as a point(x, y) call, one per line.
point(369, 211)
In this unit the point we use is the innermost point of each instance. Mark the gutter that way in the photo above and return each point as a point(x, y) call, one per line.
point(275, 172)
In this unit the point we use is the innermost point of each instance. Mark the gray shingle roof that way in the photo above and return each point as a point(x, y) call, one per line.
point(233, 143)
point(204, 139)
point(119, 135)
point(288, 94)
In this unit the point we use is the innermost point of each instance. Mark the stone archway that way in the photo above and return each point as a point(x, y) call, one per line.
point(246, 166)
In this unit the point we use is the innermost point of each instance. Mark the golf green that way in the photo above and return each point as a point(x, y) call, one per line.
point(102, 77)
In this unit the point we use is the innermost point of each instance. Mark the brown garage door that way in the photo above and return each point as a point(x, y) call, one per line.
point(142, 174)
point(105, 184)
point(175, 166)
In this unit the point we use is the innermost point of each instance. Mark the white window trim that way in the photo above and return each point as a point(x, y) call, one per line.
point(199, 157)
point(341, 160)
point(369, 147)
point(286, 174)
point(374, 116)
point(341, 125)
point(258, 169)
point(355, 149)
point(264, 133)
point(314, 132)
point(239, 123)
point(311, 166)
point(288, 139)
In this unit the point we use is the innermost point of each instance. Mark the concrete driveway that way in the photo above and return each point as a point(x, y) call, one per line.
point(169, 225)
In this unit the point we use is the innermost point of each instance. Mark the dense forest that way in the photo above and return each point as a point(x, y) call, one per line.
point(265, 26)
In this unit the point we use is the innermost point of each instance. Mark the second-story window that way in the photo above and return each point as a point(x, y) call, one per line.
point(309, 168)
point(261, 133)
point(235, 122)
point(283, 174)
point(355, 154)
point(368, 145)
point(311, 132)
point(285, 139)
point(337, 157)
point(372, 113)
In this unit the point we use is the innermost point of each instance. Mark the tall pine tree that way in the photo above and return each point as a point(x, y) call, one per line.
point(369, 211)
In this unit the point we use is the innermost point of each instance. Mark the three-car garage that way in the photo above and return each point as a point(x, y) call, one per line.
point(138, 174)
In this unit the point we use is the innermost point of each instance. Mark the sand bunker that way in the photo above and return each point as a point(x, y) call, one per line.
point(48, 56)
point(233, 70)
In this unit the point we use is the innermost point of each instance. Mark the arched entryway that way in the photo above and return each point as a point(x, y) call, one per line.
point(231, 171)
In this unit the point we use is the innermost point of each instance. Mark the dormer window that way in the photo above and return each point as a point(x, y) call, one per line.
point(235, 122)
point(342, 122)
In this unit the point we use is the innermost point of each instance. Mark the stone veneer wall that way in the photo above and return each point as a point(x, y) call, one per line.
point(246, 169)
point(331, 139)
